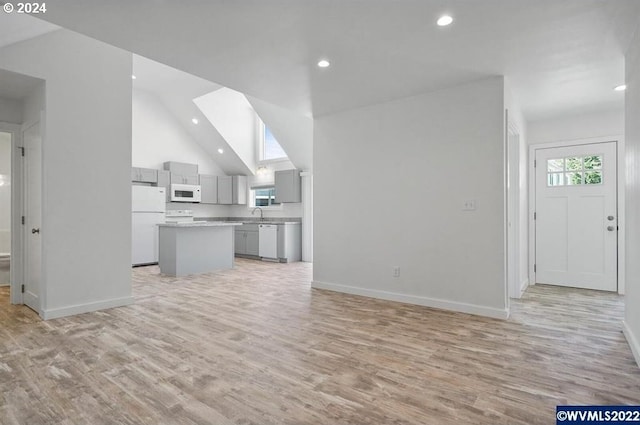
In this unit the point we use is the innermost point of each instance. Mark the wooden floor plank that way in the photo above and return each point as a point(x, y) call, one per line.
point(257, 345)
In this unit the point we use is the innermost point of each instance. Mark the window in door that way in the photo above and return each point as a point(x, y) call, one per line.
point(574, 170)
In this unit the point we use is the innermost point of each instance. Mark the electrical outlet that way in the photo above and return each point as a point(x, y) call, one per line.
point(396, 271)
point(469, 205)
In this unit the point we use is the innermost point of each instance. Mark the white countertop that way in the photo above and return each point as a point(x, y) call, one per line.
point(201, 224)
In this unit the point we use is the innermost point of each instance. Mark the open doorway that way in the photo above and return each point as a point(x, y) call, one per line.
point(22, 104)
point(5, 214)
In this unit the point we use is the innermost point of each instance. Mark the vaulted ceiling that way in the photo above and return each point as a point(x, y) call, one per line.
point(560, 56)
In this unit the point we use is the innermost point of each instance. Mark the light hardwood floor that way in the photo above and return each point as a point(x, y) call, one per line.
point(256, 345)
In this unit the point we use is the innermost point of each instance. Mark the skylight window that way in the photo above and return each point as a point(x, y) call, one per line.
point(270, 148)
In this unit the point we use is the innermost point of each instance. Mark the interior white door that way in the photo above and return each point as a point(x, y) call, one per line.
point(33, 215)
point(576, 216)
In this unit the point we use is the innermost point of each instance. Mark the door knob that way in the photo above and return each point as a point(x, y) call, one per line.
point(33, 231)
point(611, 228)
point(610, 218)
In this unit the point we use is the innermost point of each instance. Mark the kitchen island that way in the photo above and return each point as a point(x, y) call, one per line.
point(196, 247)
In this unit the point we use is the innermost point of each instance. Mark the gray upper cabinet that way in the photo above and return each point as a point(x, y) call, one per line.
point(144, 175)
point(209, 189)
point(182, 173)
point(164, 180)
point(288, 186)
point(181, 168)
point(232, 190)
point(225, 188)
point(184, 178)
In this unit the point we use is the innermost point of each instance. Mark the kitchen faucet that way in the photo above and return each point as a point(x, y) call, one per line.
point(258, 208)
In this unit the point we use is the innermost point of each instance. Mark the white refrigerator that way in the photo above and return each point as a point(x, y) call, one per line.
point(148, 210)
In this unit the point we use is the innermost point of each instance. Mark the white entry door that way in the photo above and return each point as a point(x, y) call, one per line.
point(33, 215)
point(576, 216)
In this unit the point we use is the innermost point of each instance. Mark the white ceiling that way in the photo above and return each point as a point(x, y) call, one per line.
point(176, 90)
point(16, 27)
point(16, 86)
point(560, 56)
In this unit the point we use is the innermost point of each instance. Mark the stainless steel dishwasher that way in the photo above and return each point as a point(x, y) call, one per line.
point(268, 241)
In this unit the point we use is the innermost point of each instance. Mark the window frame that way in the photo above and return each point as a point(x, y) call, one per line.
point(262, 128)
point(252, 199)
point(566, 180)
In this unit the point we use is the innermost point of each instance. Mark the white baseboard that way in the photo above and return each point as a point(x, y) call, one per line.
point(85, 308)
point(633, 342)
point(414, 299)
point(4, 284)
point(524, 285)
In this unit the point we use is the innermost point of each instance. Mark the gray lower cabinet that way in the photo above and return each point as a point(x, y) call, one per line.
point(225, 190)
point(232, 190)
point(144, 175)
point(246, 240)
point(290, 242)
point(252, 243)
point(288, 186)
point(209, 189)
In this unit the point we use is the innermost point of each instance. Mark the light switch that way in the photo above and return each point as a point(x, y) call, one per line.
point(469, 205)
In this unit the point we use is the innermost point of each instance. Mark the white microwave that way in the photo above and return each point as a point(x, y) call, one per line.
point(185, 193)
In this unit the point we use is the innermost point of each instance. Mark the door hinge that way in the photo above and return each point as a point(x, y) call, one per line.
point(22, 151)
point(534, 268)
point(22, 288)
point(23, 220)
point(535, 163)
point(535, 215)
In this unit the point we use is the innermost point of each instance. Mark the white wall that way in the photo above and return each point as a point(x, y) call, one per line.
point(159, 137)
point(632, 231)
point(10, 111)
point(574, 127)
point(86, 232)
point(390, 181)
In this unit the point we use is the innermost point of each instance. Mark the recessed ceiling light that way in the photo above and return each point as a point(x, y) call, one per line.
point(324, 63)
point(194, 120)
point(220, 150)
point(621, 87)
point(133, 77)
point(444, 20)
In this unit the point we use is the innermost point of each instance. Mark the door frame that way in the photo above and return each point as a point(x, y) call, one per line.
point(515, 288)
point(620, 189)
point(17, 203)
